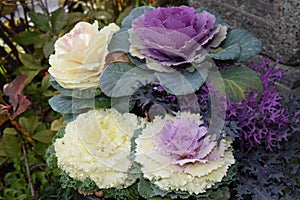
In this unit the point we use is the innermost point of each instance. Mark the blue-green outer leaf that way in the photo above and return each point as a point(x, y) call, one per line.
point(230, 53)
point(122, 79)
point(126, 23)
point(184, 82)
point(249, 44)
point(81, 94)
point(120, 41)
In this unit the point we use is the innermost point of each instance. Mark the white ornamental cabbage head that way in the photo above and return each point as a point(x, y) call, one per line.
point(80, 55)
point(96, 145)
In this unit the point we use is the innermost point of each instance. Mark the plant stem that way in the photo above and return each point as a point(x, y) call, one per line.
point(26, 163)
point(22, 130)
point(3, 162)
point(38, 165)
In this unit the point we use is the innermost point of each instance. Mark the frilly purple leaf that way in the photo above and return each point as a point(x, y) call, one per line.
point(176, 35)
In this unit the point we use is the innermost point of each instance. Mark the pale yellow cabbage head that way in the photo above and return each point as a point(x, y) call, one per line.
point(96, 145)
point(79, 56)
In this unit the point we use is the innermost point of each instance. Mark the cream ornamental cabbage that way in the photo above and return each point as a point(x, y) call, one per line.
point(96, 145)
point(80, 55)
point(173, 156)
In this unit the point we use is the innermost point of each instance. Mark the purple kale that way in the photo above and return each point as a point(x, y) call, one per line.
point(261, 116)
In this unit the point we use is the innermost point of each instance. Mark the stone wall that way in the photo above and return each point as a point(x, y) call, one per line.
point(275, 22)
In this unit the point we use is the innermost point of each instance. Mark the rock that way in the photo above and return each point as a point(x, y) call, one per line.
point(275, 22)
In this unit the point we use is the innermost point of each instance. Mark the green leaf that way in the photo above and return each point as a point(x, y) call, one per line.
point(40, 21)
point(41, 40)
point(144, 188)
point(122, 79)
point(9, 144)
point(48, 48)
point(10, 131)
point(30, 74)
point(230, 53)
point(44, 136)
point(237, 80)
point(3, 118)
point(45, 83)
point(136, 12)
point(26, 37)
point(249, 44)
point(123, 14)
point(182, 82)
point(103, 102)
point(74, 17)
point(31, 66)
point(30, 124)
point(100, 15)
point(59, 20)
point(29, 61)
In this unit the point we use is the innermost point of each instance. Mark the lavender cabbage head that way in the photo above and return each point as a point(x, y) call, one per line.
point(174, 36)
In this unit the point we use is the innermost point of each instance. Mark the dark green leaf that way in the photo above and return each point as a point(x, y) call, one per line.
point(101, 15)
point(59, 20)
point(144, 188)
point(136, 12)
point(40, 21)
point(30, 124)
point(122, 79)
point(31, 67)
point(123, 14)
point(9, 145)
point(237, 80)
point(45, 83)
point(248, 43)
point(44, 136)
point(102, 102)
point(30, 73)
point(48, 48)
point(26, 37)
point(182, 82)
point(29, 61)
point(41, 40)
point(74, 17)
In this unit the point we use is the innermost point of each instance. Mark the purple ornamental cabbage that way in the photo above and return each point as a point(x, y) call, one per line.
point(261, 116)
point(174, 35)
point(186, 142)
